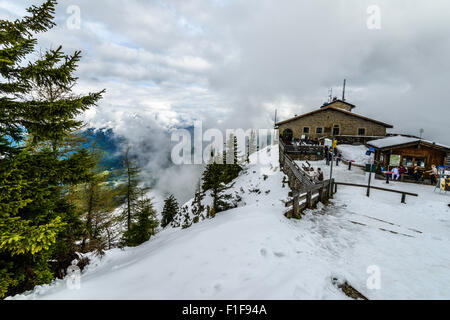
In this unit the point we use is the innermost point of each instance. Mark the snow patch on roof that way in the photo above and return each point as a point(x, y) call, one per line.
point(398, 140)
point(391, 141)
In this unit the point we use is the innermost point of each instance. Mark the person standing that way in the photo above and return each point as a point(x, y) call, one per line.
point(433, 174)
point(416, 173)
point(388, 175)
point(338, 158)
point(402, 172)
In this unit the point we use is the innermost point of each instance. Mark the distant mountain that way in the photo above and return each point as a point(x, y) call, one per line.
point(109, 143)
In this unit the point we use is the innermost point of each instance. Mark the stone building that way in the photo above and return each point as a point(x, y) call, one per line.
point(335, 119)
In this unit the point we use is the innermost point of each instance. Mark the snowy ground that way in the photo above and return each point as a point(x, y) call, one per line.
point(254, 252)
point(355, 153)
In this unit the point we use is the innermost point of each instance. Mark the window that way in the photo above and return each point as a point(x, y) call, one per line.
point(288, 135)
point(411, 161)
point(420, 162)
point(305, 129)
point(336, 130)
point(407, 161)
point(319, 130)
point(361, 131)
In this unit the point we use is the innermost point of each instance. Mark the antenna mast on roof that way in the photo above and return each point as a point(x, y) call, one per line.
point(343, 90)
point(330, 95)
point(275, 124)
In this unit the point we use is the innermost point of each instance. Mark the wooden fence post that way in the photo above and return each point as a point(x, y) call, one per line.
point(309, 201)
point(325, 195)
point(295, 212)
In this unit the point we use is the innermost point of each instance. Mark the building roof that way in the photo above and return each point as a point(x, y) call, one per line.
point(402, 141)
point(331, 107)
point(352, 106)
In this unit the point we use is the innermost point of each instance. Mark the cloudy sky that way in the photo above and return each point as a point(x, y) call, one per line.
point(231, 63)
point(234, 62)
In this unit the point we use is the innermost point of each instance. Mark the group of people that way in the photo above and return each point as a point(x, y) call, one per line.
point(315, 175)
point(306, 141)
point(329, 155)
point(318, 176)
point(398, 173)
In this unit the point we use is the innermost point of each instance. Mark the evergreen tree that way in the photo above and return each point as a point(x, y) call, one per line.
point(252, 142)
point(170, 211)
point(131, 190)
point(235, 150)
point(187, 222)
point(197, 207)
point(232, 168)
point(37, 222)
point(144, 223)
point(215, 178)
point(138, 213)
point(96, 201)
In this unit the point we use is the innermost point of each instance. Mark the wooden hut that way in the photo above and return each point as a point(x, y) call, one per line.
point(410, 151)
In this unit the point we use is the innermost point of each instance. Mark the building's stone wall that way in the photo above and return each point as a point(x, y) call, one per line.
point(326, 120)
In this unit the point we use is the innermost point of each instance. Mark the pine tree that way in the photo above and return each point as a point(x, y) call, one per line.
point(215, 178)
point(252, 142)
point(131, 190)
point(37, 223)
point(96, 202)
point(230, 150)
point(170, 211)
point(197, 207)
point(187, 221)
point(231, 168)
point(138, 212)
point(144, 223)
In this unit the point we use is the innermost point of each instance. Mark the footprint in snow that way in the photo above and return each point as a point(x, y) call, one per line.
point(279, 254)
point(263, 252)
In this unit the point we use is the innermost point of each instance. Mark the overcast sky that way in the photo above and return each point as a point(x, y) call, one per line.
point(234, 62)
point(231, 63)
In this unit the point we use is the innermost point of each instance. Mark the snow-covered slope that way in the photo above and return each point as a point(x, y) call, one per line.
point(254, 252)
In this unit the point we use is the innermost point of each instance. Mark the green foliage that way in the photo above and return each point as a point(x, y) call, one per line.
point(143, 225)
point(38, 164)
point(130, 191)
point(197, 205)
point(217, 177)
point(138, 213)
point(170, 210)
point(95, 201)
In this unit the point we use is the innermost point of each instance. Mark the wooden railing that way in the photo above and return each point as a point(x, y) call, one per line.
point(403, 193)
point(291, 149)
point(303, 177)
point(303, 186)
point(298, 203)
